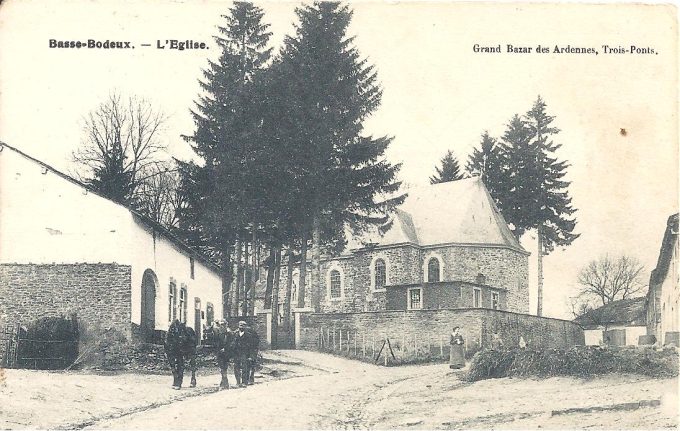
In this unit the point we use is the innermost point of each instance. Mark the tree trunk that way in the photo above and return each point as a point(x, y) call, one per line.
point(302, 284)
point(316, 263)
point(539, 240)
point(227, 275)
point(270, 279)
point(246, 278)
point(275, 294)
point(255, 271)
point(239, 279)
point(289, 289)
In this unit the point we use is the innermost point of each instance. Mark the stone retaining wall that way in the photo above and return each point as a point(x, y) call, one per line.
point(434, 326)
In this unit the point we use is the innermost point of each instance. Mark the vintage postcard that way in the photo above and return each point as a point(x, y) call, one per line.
point(338, 215)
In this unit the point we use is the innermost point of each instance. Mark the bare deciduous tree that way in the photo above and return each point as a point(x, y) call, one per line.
point(608, 279)
point(579, 305)
point(158, 195)
point(121, 146)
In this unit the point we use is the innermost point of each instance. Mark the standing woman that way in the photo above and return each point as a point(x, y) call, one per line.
point(457, 355)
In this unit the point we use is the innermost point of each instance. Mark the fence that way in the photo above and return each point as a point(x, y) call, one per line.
point(21, 352)
point(423, 347)
point(8, 345)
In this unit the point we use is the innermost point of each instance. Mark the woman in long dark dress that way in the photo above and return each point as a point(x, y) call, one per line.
point(457, 355)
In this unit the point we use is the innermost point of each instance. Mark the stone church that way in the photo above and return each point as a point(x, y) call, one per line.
point(447, 247)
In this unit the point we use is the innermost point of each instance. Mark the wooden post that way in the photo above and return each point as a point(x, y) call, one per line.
point(385, 352)
point(334, 341)
point(363, 343)
point(415, 343)
point(355, 342)
point(441, 346)
point(372, 344)
point(340, 340)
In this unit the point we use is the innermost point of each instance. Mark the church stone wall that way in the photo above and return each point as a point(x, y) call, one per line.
point(502, 268)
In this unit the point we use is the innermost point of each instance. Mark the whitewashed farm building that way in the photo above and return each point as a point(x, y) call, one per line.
point(65, 249)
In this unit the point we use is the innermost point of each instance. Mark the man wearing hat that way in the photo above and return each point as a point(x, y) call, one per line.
point(242, 342)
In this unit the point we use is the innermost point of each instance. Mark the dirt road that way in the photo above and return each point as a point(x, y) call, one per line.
point(308, 390)
point(343, 394)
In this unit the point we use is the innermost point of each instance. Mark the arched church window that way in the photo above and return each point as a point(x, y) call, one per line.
point(433, 273)
point(336, 287)
point(380, 274)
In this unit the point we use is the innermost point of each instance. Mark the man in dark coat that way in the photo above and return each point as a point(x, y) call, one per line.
point(254, 344)
point(223, 340)
point(242, 346)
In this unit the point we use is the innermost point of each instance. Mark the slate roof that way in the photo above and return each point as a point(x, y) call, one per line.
point(454, 212)
point(629, 312)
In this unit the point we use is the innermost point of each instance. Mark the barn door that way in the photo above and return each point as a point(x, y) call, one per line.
point(148, 323)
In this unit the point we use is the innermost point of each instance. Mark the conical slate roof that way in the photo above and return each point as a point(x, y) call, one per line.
point(459, 212)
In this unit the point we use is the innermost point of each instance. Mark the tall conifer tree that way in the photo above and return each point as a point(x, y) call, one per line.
point(449, 170)
point(332, 90)
point(225, 194)
point(489, 163)
point(537, 196)
point(552, 214)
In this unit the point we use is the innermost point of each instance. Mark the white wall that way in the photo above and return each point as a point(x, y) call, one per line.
point(593, 337)
point(168, 262)
point(670, 296)
point(45, 218)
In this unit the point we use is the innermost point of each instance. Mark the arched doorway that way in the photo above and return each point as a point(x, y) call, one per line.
point(148, 322)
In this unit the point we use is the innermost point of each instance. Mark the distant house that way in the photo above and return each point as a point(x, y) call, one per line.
point(664, 291)
point(65, 249)
point(447, 246)
point(619, 323)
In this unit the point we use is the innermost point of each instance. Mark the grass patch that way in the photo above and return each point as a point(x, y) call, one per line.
point(580, 361)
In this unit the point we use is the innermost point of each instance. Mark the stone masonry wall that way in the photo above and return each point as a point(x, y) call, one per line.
point(445, 295)
point(98, 293)
point(434, 327)
point(503, 268)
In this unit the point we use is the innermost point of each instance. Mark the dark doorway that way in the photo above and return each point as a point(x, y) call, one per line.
point(148, 323)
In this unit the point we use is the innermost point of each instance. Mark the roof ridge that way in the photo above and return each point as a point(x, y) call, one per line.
point(144, 218)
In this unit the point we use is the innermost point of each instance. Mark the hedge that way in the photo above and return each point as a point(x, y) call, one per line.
point(580, 361)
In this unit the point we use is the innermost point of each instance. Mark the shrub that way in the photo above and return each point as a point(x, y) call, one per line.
point(580, 361)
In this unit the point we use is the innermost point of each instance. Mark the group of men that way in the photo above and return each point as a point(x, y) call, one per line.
point(240, 347)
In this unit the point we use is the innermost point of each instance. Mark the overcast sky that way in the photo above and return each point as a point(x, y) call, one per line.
point(438, 95)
